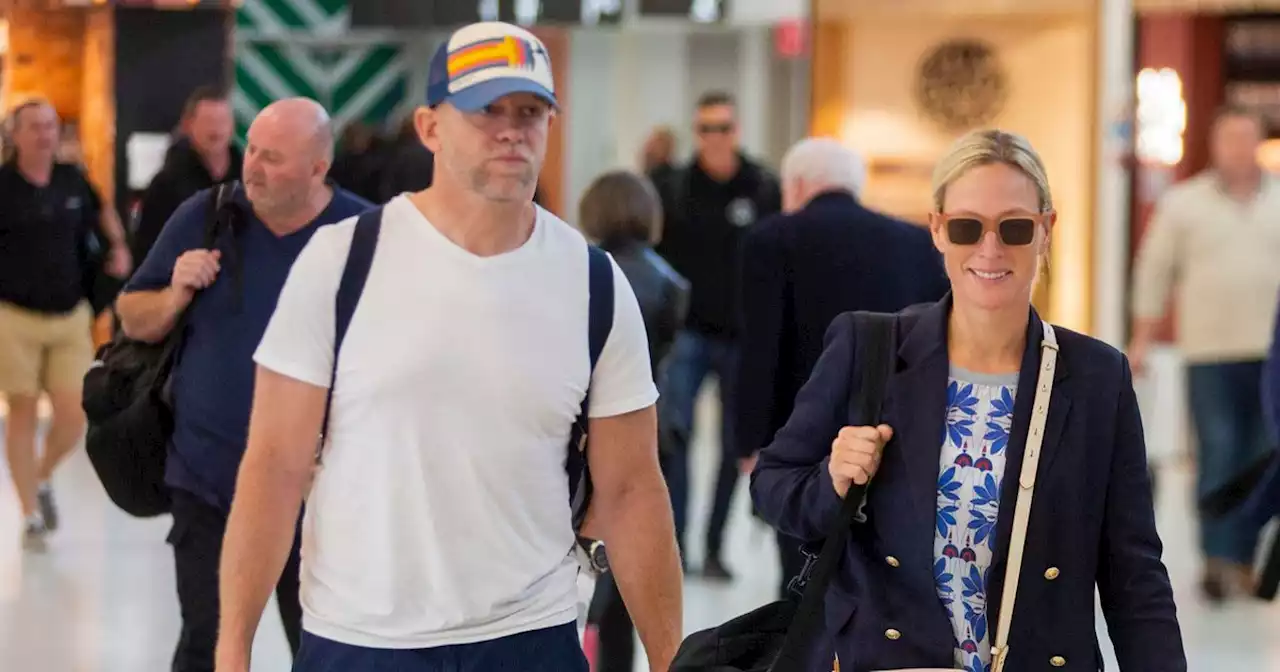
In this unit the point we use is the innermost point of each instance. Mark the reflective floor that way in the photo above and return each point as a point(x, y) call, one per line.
point(102, 598)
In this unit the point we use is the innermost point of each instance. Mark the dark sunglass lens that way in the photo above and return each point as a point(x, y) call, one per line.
point(1017, 232)
point(964, 231)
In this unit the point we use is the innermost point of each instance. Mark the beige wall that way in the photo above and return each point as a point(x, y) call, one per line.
point(1050, 69)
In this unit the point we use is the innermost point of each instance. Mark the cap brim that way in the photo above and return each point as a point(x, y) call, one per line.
point(478, 96)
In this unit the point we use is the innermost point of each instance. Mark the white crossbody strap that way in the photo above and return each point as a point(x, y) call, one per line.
point(1026, 487)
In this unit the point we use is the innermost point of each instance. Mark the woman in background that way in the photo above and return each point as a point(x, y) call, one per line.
point(621, 213)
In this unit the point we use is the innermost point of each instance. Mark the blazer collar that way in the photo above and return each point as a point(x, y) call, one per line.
point(928, 338)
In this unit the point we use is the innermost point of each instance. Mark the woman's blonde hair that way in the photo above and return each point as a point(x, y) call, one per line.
point(621, 206)
point(986, 147)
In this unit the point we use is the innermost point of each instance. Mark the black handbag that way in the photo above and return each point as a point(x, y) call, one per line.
point(126, 399)
point(778, 636)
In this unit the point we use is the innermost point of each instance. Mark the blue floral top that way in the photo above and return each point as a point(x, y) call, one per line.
point(979, 414)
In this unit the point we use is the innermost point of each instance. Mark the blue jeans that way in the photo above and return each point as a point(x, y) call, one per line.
point(692, 357)
point(1227, 410)
point(550, 650)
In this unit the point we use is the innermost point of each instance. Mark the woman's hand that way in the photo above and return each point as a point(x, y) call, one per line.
point(855, 455)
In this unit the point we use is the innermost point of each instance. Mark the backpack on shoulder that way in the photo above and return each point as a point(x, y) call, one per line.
point(364, 242)
point(127, 399)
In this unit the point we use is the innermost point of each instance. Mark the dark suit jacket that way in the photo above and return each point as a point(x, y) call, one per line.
point(802, 270)
point(1091, 520)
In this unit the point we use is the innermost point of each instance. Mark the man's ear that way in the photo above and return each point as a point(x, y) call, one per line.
point(426, 122)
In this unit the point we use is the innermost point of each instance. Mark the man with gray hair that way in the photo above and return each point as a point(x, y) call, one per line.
point(230, 289)
point(825, 255)
point(816, 165)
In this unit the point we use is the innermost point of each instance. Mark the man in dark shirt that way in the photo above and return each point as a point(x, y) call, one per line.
point(827, 255)
point(286, 197)
point(201, 157)
point(48, 214)
point(708, 207)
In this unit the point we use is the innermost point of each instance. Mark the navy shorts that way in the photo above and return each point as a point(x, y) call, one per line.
point(551, 650)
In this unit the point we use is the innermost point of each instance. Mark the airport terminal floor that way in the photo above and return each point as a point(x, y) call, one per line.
point(102, 598)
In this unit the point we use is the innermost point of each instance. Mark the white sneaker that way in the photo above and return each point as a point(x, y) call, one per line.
point(33, 535)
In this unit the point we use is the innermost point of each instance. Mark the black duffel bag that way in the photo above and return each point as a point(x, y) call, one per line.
point(127, 402)
point(779, 636)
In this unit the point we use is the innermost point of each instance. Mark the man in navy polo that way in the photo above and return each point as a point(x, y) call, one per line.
point(285, 198)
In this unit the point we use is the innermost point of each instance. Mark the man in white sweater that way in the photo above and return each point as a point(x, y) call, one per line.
point(1213, 242)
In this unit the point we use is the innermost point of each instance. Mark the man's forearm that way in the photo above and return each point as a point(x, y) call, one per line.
point(150, 316)
point(255, 548)
point(111, 226)
point(640, 539)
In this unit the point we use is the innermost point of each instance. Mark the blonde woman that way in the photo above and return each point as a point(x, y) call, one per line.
point(978, 377)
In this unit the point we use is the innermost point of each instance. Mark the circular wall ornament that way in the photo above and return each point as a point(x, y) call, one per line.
point(960, 84)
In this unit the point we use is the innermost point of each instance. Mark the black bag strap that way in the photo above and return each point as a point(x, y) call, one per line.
point(217, 216)
point(364, 242)
point(874, 360)
point(599, 325)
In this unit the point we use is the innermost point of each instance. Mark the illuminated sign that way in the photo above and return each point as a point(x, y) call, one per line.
point(1162, 117)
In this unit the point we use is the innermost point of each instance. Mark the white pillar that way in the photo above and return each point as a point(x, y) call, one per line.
point(1112, 210)
point(754, 74)
point(652, 69)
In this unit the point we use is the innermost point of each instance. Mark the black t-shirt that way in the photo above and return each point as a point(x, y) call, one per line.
point(43, 236)
point(704, 224)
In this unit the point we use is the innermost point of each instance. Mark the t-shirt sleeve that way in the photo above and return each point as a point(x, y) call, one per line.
point(298, 342)
point(184, 231)
point(623, 379)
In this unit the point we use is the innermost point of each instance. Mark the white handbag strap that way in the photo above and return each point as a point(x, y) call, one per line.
point(1026, 487)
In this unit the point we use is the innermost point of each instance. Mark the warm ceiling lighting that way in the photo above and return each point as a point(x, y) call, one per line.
point(1269, 156)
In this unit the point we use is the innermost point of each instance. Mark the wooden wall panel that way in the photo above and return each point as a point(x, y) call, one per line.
point(829, 98)
point(98, 102)
point(46, 57)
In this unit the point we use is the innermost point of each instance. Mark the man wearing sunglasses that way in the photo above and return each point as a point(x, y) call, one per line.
point(708, 206)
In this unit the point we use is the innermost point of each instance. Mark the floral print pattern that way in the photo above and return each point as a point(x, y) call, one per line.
point(971, 471)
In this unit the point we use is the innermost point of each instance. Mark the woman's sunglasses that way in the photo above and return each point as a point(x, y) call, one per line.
point(1014, 231)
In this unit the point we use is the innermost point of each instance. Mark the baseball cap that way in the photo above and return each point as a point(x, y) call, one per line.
point(485, 61)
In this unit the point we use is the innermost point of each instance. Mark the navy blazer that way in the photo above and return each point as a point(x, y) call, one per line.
point(799, 272)
point(1092, 518)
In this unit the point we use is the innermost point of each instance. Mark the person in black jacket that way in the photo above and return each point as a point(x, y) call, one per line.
point(201, 157)
point(708, 206)
point(621, 212)
point(826, 255)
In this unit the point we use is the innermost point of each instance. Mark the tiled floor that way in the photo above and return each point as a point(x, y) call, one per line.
point(102, 599)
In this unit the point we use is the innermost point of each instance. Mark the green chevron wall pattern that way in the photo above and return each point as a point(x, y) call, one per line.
point(302, 48)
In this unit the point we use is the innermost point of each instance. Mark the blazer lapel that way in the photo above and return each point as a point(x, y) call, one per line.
point(1055, 423)
point(916, 403)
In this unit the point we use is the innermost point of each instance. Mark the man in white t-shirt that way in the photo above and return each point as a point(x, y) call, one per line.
point(438, 530)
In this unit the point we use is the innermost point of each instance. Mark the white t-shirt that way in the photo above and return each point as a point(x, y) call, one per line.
point(441, 513)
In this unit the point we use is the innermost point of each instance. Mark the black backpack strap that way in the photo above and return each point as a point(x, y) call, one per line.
point(599, 324)
point(225, 213)
point(218, 217)
point(874, 360)
point(364, 242)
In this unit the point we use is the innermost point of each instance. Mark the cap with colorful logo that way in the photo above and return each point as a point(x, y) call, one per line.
point(483, 62)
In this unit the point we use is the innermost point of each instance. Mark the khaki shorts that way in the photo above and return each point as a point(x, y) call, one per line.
point(40, 352)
